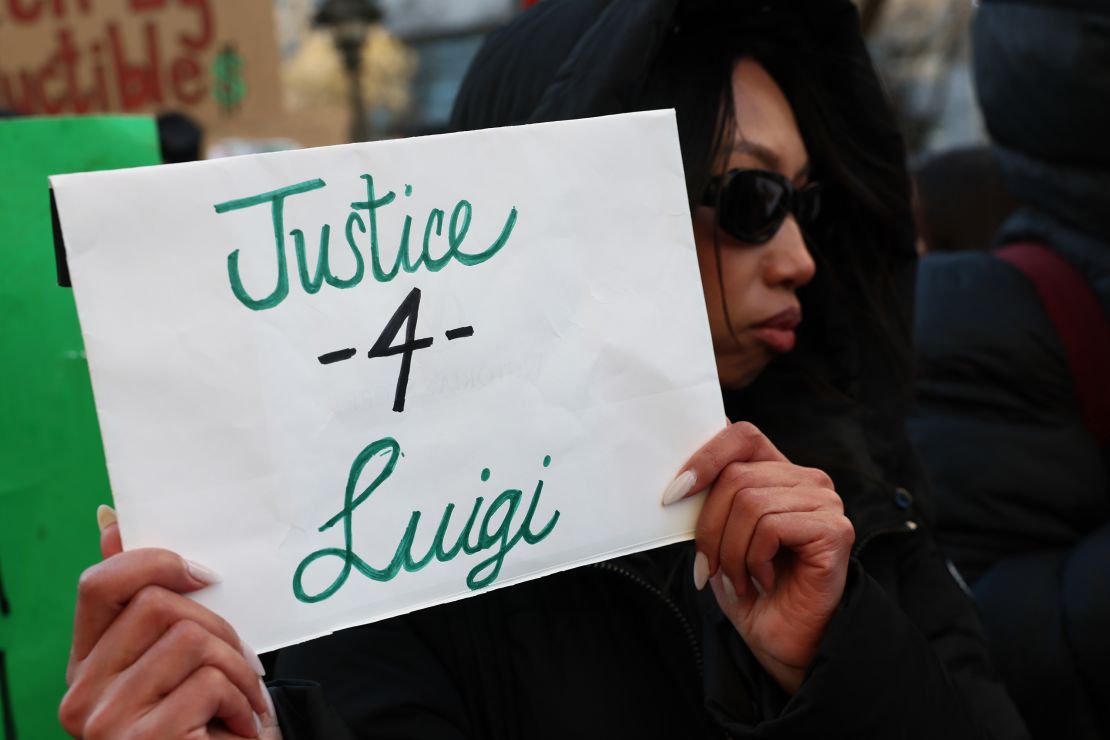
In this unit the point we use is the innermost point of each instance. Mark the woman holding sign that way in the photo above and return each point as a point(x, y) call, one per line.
point(813, 602)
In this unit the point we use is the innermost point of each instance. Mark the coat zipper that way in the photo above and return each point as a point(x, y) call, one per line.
point(687, 628)
point(658, 593)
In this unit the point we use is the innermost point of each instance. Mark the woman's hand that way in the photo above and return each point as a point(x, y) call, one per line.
point(773, 542)
point(147, 662)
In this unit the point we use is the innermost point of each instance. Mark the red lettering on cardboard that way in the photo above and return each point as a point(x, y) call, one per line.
point(112, 70)
point(137, 83)
point(24, 13)
point(185, 71)
point(60, 7)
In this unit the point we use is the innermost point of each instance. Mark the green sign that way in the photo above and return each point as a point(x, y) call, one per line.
point(52, 473)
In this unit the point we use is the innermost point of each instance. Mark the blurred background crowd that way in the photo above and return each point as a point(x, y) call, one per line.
point(409, 57)
point(1013, 414)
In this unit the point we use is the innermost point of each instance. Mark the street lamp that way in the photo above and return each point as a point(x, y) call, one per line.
point(349, 22)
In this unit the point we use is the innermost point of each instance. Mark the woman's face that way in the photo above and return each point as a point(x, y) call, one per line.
point(759, 280)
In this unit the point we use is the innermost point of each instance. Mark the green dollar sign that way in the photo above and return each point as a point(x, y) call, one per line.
point(228, 86)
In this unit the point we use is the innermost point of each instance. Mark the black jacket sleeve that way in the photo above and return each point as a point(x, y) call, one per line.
point(1021, 487)
point(1047, 613)
point(909, 664)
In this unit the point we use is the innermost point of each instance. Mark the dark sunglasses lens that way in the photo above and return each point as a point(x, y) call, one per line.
point(753, 206)
point(809, 205)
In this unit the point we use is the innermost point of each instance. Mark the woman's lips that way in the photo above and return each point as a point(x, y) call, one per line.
point(777, 332)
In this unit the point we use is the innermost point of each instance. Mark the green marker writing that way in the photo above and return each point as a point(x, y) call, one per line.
point(493, 533)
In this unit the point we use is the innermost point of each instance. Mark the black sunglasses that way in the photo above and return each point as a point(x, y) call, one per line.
point(752, 204)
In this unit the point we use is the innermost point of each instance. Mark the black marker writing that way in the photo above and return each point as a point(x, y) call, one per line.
point(407, 313)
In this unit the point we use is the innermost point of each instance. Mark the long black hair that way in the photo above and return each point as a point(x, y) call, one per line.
point(858, 318)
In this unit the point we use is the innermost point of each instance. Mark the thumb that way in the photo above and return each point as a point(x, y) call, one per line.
point(110, 543)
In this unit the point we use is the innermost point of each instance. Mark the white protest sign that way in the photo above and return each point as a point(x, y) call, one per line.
point(361, 380)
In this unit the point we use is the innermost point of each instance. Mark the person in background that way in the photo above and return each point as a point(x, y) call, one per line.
point(960, 200)
point(813, 601)
point(1012, 406)
point(180, 137)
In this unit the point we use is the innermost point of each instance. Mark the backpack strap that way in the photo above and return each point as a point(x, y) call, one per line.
point(1080, 322)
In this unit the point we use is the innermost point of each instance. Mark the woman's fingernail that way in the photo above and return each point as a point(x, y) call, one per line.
point(270, 718)
point(758, 588)
point(701, 571)
point(258, 725)
point(679, 487)
point(729, 589)
point(252, 657)
point(202, 574)
point(105, 516)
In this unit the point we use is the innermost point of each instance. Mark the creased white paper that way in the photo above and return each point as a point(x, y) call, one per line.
point(538, 440)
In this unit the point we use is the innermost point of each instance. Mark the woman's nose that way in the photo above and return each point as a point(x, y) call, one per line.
point(788, 262)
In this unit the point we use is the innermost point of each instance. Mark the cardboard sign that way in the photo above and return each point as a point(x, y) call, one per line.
point(52, 472)
point(366, 379)
point(217, 61)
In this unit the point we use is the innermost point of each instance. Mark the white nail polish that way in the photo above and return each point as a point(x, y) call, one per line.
point(679, 487)
point(269, 719)
point(701, 571)
point(105, 516)
point(252, 657)
point(202, 574)
point(758, 589)
point(729, 589)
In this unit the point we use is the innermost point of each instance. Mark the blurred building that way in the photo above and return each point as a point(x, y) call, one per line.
point(445, 36)
point(922, 51)
point(412, 66)
point(415, 63)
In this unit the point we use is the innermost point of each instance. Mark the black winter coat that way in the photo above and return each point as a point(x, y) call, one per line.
point(628, 648)
point(1023, 490)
